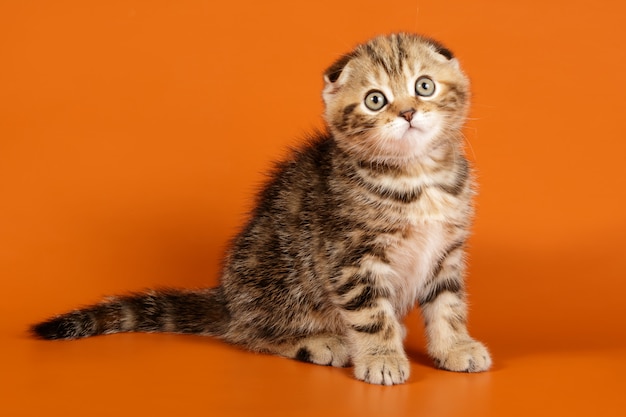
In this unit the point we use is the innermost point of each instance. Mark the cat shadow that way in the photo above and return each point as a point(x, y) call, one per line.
point(529, 301)
point(158, 250)
point(419, 357)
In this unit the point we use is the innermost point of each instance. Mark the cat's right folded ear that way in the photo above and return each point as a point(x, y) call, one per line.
point(335, 74)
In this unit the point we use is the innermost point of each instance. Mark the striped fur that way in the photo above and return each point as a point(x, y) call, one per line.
point(359, 225)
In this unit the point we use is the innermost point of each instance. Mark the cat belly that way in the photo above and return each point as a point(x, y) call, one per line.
point(413, 260)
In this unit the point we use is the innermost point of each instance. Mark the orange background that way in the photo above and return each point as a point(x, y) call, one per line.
point(134, 133)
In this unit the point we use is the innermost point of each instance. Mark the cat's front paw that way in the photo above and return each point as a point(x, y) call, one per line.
point(465, 356)
point(389, 369)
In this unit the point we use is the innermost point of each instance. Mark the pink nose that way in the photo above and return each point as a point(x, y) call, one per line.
point(407, 114)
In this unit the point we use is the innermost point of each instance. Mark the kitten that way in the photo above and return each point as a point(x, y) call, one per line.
point(362, 223)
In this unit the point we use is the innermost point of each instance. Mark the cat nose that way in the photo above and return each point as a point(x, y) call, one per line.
point(407, 114)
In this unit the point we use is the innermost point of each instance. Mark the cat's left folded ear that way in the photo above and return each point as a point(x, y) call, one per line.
point(444, 52)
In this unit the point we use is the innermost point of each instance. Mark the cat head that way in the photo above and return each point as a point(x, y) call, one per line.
point(395, 98)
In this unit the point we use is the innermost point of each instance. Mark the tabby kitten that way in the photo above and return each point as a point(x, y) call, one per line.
point(360, 224)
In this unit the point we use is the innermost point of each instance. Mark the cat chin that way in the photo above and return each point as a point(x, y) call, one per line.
point(418, 134)
point(415, 141)
point(420, 131)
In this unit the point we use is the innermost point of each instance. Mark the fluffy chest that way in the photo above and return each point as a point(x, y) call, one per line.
point(432, 216)
point(412, 260)
point(430, 231)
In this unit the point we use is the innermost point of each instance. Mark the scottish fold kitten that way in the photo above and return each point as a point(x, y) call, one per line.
point(362, 223)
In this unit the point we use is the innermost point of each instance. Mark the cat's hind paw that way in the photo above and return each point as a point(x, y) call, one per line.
point(323, 350)
point(389, 369)
point(466, 356)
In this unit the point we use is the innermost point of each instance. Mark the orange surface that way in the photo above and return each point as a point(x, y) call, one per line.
point(133, 134)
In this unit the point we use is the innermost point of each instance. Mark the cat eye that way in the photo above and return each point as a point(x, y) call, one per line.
point(375, 100)
point(425, 86)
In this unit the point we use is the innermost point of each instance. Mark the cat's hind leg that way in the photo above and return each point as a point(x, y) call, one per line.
point(321, 349)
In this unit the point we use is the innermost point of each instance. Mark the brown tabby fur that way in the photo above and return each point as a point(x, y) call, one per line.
point(362, 223)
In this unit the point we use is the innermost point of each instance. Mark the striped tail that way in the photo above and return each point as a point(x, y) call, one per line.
point(177, 311)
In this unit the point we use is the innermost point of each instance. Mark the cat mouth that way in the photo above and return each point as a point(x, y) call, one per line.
point(417, 136)
point(417, 128)
point(414, 130)
point(411, 134)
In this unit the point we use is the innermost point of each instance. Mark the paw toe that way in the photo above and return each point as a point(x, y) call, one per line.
point(383, 369)
point(470, 356)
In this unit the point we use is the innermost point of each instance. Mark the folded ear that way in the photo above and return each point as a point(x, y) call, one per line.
point(440, 48)
point(335, 75)
point(333, 72)
point(445, 53)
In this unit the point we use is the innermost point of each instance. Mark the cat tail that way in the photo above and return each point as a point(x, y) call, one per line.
point(201, 312)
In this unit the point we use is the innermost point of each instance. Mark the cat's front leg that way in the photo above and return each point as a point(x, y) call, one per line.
point(374, 332)
point(378, 355)
point(445, 315)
